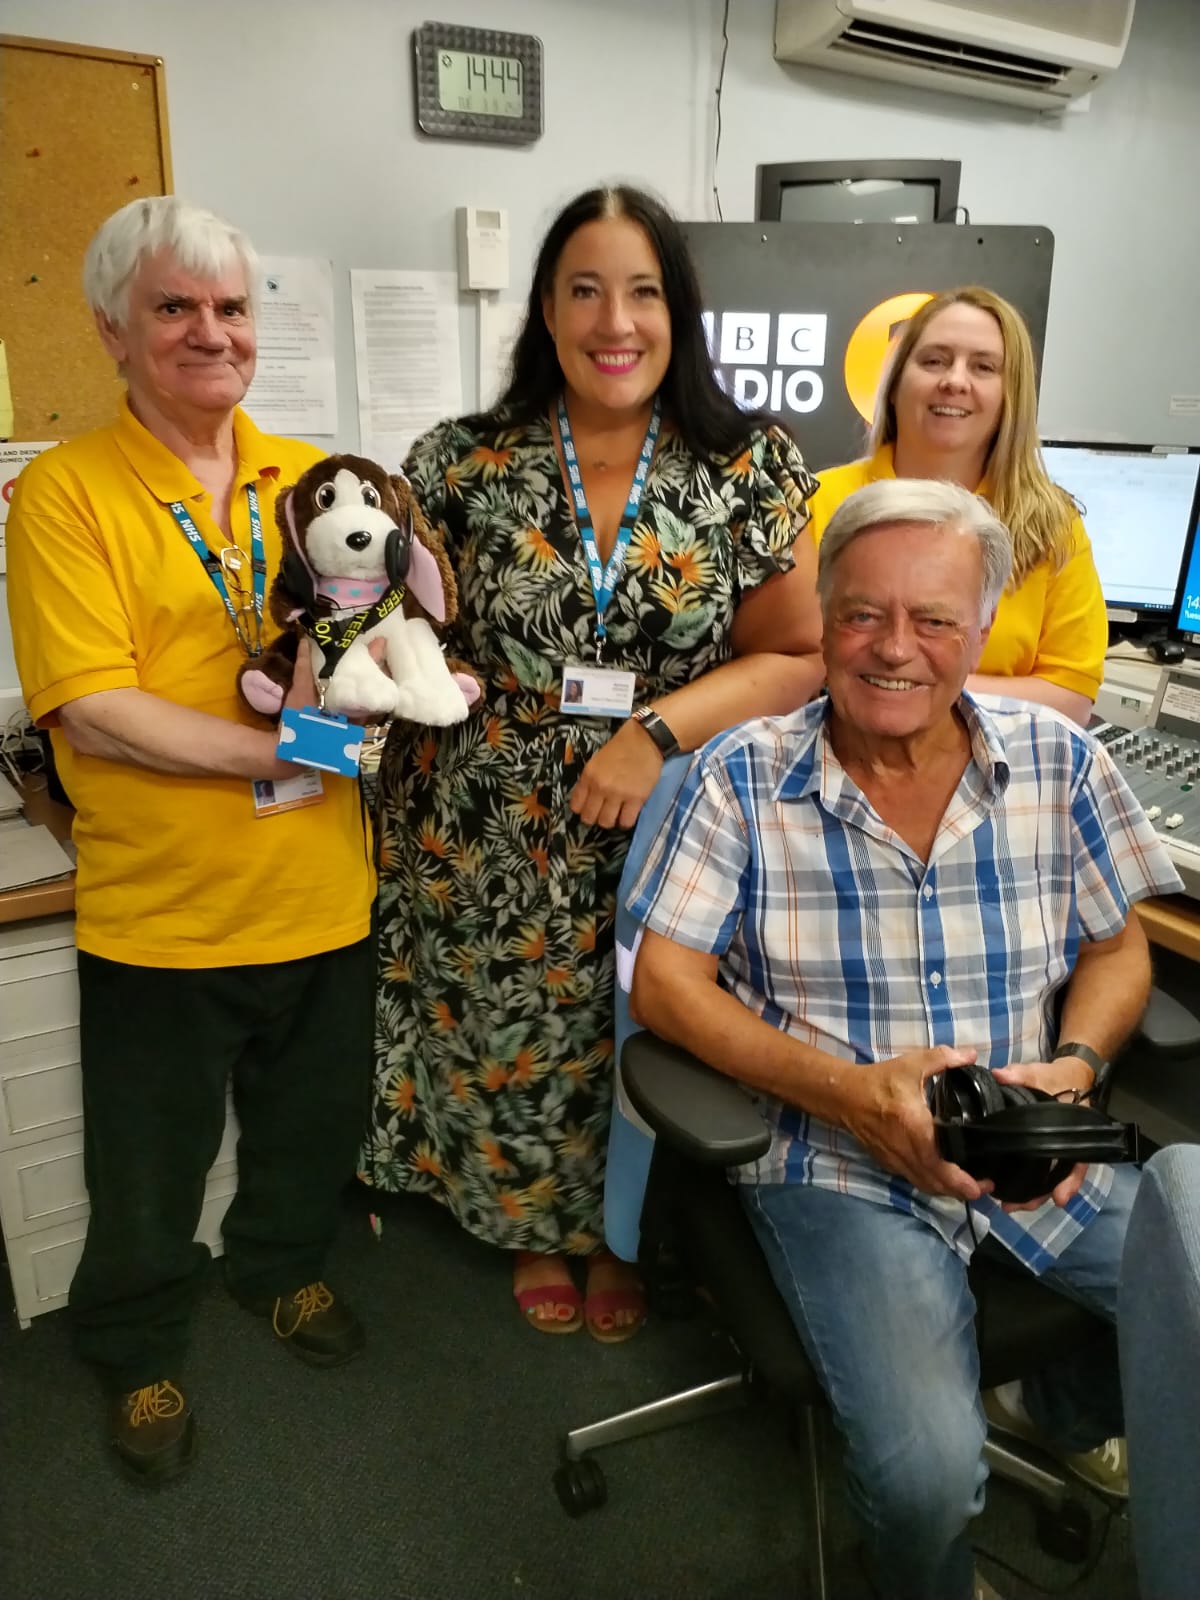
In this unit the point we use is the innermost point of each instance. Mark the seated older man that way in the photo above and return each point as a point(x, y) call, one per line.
point(845, 902)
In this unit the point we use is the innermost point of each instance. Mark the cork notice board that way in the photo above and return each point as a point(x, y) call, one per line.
point(82, 132)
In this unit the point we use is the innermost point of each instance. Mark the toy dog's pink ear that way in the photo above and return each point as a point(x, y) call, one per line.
point(425, 581)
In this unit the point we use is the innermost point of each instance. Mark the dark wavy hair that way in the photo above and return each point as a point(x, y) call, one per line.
point(708, 420)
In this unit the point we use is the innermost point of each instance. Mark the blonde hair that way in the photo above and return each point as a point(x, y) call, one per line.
point(1036, 511)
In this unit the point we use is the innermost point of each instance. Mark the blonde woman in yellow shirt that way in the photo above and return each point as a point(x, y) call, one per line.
point(958, 401)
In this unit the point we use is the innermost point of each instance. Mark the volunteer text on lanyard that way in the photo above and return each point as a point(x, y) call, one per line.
point(230, 560)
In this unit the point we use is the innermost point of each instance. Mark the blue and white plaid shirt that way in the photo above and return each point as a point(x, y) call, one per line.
point(833, 930)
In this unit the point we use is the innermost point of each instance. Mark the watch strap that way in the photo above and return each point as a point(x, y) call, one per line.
point(1092, 1058)
point(658, 730)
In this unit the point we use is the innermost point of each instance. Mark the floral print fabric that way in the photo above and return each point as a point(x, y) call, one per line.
point(494, 1022)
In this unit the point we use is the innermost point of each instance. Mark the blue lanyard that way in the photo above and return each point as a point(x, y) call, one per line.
point(604, 578)
point(215, 567)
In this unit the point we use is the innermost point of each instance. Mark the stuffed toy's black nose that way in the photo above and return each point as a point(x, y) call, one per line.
point(398, 554)
point(358, 541)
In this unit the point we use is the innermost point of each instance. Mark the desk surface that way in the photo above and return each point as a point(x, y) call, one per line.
point(1173, 921)
point(41, 899)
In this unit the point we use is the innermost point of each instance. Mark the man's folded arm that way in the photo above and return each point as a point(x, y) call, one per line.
point(143, 730)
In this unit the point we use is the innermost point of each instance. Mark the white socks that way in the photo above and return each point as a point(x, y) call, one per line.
point(1008, 1395)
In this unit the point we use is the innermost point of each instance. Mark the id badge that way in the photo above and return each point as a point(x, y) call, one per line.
point(313, 738)
point(596, 691)
point(273, 795)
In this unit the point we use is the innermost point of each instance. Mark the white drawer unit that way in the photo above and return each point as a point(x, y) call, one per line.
point(43, 1197)
point(40, 1089)
point(42, 1264)
point(38, 988)
point(42, 1184)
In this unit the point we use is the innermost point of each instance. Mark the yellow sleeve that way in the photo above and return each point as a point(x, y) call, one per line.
point(834, 485)
point(1074, 637)
point(71, 633)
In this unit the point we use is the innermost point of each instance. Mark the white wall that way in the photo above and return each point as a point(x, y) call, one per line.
point(295, 119)
point(1117, 184)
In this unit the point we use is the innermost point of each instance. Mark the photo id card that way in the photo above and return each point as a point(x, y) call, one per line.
point(273, 795)
point(596, 691)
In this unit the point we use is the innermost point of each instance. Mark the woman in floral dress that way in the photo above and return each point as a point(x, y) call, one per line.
point(503, 837)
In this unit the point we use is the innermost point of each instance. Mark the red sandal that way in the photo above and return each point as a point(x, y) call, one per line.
point(564, 1296)
point(601, 1306)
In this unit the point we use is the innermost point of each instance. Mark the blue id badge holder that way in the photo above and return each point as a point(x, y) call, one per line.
point(314, 738)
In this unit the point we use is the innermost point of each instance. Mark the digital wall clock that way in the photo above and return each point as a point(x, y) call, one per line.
point(477, 83)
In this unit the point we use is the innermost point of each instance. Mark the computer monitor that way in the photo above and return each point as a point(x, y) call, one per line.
point(1138, 504)
point(1185, 620)
point(858, 191)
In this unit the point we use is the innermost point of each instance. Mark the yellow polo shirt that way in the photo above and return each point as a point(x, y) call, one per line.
point(1054, 626)
point(105, 592)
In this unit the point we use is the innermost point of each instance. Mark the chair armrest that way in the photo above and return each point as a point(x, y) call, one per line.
point(1168, 1028)
point(699, 1112)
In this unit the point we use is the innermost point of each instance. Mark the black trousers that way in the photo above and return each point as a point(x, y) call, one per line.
point(159, 1047)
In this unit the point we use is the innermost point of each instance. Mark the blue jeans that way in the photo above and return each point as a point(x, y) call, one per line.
point(885, 1313)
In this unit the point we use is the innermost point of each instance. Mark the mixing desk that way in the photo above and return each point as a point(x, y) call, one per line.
point(1161, 764)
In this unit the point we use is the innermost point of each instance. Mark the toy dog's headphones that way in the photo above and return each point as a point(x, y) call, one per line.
point(302, 581)
point(1023, 1139)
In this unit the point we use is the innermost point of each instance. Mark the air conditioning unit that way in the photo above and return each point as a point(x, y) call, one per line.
point(1039, 53)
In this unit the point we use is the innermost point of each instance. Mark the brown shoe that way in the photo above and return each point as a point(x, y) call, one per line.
point(316, 1326)
point(153, 1432)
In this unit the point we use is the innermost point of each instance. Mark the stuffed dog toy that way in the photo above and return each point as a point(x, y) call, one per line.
point(360, 563)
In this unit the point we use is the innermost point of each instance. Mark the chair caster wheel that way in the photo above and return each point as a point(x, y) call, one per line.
point(1065, 1534)
point(580, 1486)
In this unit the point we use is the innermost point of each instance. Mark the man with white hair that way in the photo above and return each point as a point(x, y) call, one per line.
point(844, 903)
point(221, 937)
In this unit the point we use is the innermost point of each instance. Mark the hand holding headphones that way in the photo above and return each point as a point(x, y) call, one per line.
point(884, 1104)
point(1021, 1138)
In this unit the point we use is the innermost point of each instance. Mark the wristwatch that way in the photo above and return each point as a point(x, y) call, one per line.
point(654, 725)
point(1101, 1069)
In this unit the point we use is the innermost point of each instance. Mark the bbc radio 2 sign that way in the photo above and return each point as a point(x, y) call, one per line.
point(773, 362)
point(801, 317)
point(768, 361)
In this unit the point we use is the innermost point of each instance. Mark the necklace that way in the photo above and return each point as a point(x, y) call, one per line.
point(624, 460)
point(612, 466)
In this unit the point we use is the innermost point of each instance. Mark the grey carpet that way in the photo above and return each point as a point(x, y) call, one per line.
point(423, 1470)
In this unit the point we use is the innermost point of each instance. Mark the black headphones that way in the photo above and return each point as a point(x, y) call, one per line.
point(1024, 1140)
point(397, 554)
point(298, 577)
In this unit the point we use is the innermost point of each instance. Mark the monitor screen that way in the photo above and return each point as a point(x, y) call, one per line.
point(859, 200)
point(872, 190)
point(1137, 505)
point(1187, 602)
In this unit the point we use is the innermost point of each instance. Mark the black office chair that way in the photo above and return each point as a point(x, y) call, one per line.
point(704, 1123)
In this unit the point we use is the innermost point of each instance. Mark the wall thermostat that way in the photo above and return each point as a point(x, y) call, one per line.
point(482, 248)
point(477, 83)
